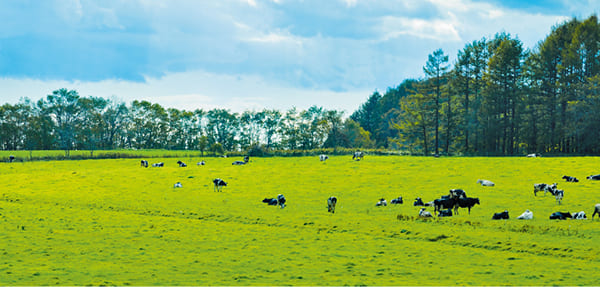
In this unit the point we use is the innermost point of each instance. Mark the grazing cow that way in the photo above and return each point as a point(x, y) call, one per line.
point(485, 182)
point(158, 164)
point(570, 178)
point(560, 215)
point(501, 215)
point(559, 194)
point(178, 184)
point(468, 202)
point(358, 155)
point(534, 155)
point(381, 202)
point(219, 183)
point(526, 215)
point(323, 157)
point(444, 203)
point(445, 213)
point(281, 200)
point(397, 200)
point(181, 163)
point(331, 202)
point(201, 163)
point(270, 201)
point(458, 193)
point(596, 210)
point(538, 187)
point(144, 163)
point(11, 158)
point(594, 177)
point(579, 215)
point(424, 213)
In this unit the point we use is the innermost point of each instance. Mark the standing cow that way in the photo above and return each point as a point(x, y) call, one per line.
point(331, 202)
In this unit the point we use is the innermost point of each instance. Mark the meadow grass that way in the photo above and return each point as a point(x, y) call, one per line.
point(112, 222)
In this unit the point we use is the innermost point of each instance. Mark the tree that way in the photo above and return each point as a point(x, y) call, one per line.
point(435, 69)
point(64, 109)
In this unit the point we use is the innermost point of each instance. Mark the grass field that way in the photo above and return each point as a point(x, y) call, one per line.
point(112, 222)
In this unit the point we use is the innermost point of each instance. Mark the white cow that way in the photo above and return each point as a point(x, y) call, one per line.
point(424, 213)
point(485, 182)
point(526, 215)
point(323, 157)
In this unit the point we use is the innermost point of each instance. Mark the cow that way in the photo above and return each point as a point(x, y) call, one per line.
point(331, 202)
point(281, 200)
point(218, 184)
point(468, 202)
point(579, 215)
point(158, 164)
point(270, 201)
point(444, 203)
point(358, 155)
point(144, 163)
point(594, 177)
point(418, 202)
point(397, 200)
point(570, 178)
point(485, 182)
point(246, 158)
point(534, 155)
point(201, 163)
point(11, 158)
point(323, 157)
point(177, 185)
point(559, 194)
point(500, 215)
point(238, 162)
point(596, 210)
point(560, 215)
point(445, 213)
point(538, 187)
point(382, 202)
point(181, 163)
point(424, 213)
point(458, 193)
point(526, 215)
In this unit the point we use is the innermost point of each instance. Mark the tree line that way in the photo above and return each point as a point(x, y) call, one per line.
point(498, 98)
point(66, 121)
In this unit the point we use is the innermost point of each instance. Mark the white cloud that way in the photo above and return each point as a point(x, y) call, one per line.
point(436, 29)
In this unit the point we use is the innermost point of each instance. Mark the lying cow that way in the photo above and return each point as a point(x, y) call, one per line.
point(331, 202)
point(560, 215)
point(534, 155)
point(539, 187)
point(158, 164)
point(177, 185)
point(381, 202)
point(270, 201)
point(594, 177)
point(397, 200)
point(323, 157)
point(579, 215)
point(501, 215)
point(570, 178)
point(144, 163)
point(424, 213)
point(201, 163)
point(181, 163)
point(526, 215)
point(485, 182)
point(445, 213)
point(281, 200)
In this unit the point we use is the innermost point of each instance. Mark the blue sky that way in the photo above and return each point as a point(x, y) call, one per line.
point(248, 54)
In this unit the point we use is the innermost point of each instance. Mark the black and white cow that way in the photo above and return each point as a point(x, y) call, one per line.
point(218, 184)
point(559, 194)
point(177, 185)
point(144, 163)
point(381, 202)
point(418, 202)
point(594, 177)
point(331, 202)
point(358, 155)
point(201, 163)
point(397, 200)
point(560, 215)
point(579, 215)
point(534, 155)
point(11, 158)
point(501, 215)
point(323, 157)
point(539, 187)
point(270, 201)
point(596, 210)
point(181, 163)
point(458, 193)
point(158, 164)
point(570, 178)
point(238, 162)
point(527, 215)
point(468, 202)
point(281, 200)
point(246, 158)
point(445, 213)
point(444, 203)
point(424, 213)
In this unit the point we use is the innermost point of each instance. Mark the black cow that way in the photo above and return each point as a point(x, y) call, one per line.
point(594, 177)
point(144, 163)
point(570, 178)
point(444, 203)
point(270, 201)
point(596, 210)
point(181, 163)
point(397, 200)
point(468, 202)
point(560, 215)
point(445, 213)
point(331, 202)
point(501, 215)
point(418, 202)
point(219, 183)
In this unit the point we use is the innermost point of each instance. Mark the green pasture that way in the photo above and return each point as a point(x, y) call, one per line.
point(112, 222)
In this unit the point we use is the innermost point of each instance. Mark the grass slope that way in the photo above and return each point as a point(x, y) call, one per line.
point(112, 222)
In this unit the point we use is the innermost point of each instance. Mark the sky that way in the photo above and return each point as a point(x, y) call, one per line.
point(249, 54)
